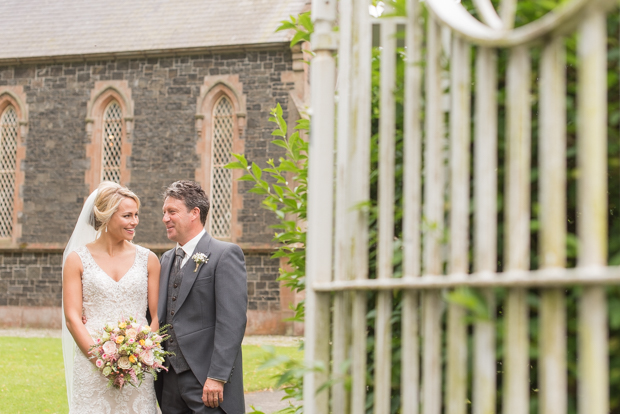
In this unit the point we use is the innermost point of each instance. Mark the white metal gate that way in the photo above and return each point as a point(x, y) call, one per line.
point(337, 240)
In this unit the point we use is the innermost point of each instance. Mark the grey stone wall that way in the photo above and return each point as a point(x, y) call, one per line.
point(35, 279)
point(30, 279)
point(263, 288)
point(164, 92)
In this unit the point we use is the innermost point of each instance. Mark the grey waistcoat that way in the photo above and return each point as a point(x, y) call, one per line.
point(177, 361)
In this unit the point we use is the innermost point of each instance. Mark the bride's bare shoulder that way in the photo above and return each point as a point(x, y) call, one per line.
point(73, 263)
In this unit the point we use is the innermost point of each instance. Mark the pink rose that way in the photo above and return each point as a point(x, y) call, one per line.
point(109, 348)
point(147, 357)
point(99, 363)
point(131, 333)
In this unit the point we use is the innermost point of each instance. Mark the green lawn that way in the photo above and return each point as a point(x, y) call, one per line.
point(255, 379)
point(33, 378)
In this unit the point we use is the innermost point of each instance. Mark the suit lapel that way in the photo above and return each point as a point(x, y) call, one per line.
point(166, 266)
point(189, 276)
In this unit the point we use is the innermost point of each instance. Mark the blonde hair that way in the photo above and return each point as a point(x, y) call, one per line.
point(109, 197)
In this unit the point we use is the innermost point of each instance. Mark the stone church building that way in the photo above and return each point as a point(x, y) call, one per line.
point(144, 93)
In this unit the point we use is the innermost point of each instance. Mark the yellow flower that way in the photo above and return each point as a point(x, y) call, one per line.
point(132, 359)
point(142, 342)
point(122, 325)
point(120, 339)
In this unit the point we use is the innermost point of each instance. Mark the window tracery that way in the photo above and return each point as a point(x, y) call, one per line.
point(109, 123)
point(9, 129)
point(221, 178)
point(220, 124)
point(13, 133)
point(112, 141)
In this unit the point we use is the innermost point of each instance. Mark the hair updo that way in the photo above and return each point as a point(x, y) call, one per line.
point(109, 197)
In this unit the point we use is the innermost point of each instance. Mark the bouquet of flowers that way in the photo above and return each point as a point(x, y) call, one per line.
point(124, 352)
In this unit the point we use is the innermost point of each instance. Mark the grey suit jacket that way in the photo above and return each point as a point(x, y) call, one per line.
point(211, 317)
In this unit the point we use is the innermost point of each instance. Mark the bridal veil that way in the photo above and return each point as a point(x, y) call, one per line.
point(83, 233)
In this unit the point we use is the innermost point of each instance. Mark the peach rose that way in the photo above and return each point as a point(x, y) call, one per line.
point(124, 363)
point(147, 357)
point(109, 348)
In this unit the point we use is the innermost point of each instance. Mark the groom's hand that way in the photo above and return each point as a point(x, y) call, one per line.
point(213, 393)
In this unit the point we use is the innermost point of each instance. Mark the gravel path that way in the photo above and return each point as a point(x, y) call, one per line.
point(266, 401)
point(30, 333)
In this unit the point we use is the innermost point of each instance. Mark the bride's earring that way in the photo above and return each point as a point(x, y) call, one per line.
point(106, 229)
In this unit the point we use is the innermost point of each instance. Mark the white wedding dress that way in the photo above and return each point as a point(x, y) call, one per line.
point(105, 300)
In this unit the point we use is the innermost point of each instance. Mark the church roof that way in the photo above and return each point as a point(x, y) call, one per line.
point(44, 30)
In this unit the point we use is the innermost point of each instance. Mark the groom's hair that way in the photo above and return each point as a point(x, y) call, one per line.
point(192, 194)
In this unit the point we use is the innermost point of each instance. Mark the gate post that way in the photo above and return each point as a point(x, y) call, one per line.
point(320, 203)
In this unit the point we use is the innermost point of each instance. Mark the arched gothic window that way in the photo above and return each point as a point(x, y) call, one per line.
point(221, 178)
point(109, 124)
point(9, 127)
point(220, 123)
point(112, 140)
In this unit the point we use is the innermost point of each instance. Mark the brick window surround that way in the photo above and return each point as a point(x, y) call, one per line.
point(13, 97)
point(102, 96)
point(211, 93)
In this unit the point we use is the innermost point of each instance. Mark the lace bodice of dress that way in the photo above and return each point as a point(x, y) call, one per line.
point(105, 300)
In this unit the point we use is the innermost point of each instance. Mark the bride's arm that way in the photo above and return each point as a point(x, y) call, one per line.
point(72, 300)
point(153, 268)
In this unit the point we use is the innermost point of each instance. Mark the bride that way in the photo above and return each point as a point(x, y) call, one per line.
point(105, 278)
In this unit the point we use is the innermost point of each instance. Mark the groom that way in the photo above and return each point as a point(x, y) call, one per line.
point(203, 297)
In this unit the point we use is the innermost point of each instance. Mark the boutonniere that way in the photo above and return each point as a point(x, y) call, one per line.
point(199, 258)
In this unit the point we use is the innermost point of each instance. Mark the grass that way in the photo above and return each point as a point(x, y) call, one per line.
point(255, 379)
point(33, 377)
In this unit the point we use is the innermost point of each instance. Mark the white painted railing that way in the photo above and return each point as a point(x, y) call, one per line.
point(338, 229)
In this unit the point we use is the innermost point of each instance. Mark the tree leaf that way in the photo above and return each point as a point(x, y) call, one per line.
point(241, 159)
point(235, 165)
point(256, 171)
point(279, 191)
point(300, 37)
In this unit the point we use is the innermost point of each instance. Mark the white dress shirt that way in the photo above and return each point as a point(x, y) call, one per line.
point(190, 246)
